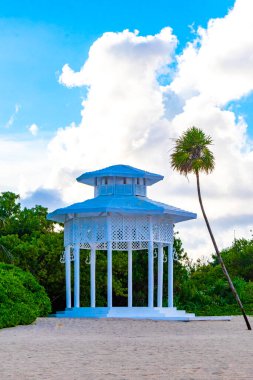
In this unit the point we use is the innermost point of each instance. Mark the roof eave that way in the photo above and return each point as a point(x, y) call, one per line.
point(60, 215)
point(91, 180)
point(184, 218)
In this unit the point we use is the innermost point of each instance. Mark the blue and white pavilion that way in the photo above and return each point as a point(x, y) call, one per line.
point(120, 217)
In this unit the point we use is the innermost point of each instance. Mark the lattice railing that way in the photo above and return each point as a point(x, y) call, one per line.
point(125, 229)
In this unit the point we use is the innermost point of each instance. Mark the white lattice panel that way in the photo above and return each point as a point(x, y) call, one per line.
point(120, 246)
point(68, 233)
point(162, 230)
point(138, 245)
point(101, 246)
point(85, 231)
point(101, 230)
point(130, 228)
point(124, 229)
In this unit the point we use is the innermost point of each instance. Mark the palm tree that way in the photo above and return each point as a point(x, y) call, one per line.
point(192, 155)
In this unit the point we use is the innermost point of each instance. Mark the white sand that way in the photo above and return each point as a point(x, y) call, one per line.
point(76, 349)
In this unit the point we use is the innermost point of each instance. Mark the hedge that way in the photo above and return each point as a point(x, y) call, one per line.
point(22, 298)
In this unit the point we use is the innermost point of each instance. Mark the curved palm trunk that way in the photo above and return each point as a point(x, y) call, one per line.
point(224, 269)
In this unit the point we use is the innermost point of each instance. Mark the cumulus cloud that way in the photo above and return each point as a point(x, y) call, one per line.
point(123, 108)
point(115, 51)
point(214, 69)
point(129, 116)
point(218, 64)
point(23, 165)
point(34, 129)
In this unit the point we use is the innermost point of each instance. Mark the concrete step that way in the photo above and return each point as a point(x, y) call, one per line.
point(83, 312)
point(125, 312)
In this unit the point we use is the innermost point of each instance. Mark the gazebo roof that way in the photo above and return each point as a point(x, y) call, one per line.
point(120, 204)
point(119, 171)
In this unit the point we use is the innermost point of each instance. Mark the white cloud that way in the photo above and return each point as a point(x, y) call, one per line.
point(23, 163)
point(218, 64)
point(123, 106)
point(215, 69)
point(128, 117)
point(13, 116)
point(34, 129)
point(117, 50)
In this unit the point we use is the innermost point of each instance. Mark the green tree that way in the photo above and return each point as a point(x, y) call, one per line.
point(8, 209)
point(207, 292)
point(22, 299)
point(192, 155)
point(29, 240)
point(239, 259)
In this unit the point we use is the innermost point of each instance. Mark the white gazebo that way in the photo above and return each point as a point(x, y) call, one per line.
point(120, 217)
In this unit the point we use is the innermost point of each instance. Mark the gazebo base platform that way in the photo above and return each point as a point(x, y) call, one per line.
point(153, 313)
point(156, 313)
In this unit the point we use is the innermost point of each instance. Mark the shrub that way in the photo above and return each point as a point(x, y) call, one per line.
point(22, 299)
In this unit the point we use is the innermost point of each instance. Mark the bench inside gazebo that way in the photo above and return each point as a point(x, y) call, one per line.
point(120, 217)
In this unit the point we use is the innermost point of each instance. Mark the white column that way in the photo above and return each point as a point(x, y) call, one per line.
point(160, 276)
point(93, 276)
point(130, 276)
point(68, 276)
point(170, 275)
point(150, 275)
point(150, 265)
point(109, 274)
point(109, 263)
point(77, 275)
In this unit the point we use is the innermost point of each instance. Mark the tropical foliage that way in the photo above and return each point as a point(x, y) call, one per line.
point(206, 291)
point(22, 299)
point(35, 246)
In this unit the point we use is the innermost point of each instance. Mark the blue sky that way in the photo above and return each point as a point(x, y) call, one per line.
point(39, 37)
point(78, 94)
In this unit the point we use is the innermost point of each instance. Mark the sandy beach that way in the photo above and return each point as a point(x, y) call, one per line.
point(76, 349)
